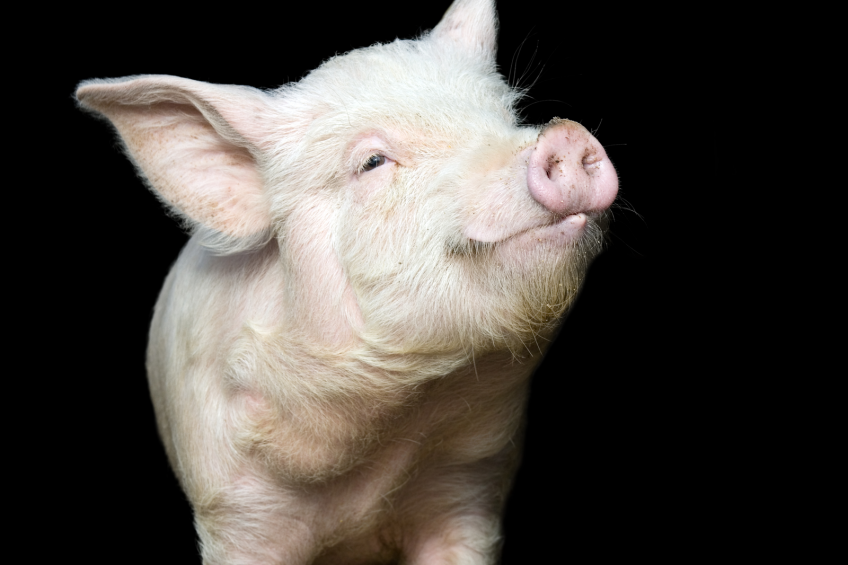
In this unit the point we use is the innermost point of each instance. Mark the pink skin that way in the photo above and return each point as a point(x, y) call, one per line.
point(568, 178)
point(569, 172)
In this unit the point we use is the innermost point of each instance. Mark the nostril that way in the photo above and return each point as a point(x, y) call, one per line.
point(592, 163)
point(578, 175)
point(550, 163)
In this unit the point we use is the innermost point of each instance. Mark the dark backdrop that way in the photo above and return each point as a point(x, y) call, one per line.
point(609, 468)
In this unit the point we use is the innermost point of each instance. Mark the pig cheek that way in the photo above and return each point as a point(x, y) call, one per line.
point(332, 311)
point(369, 221)
point(363, 188)
point(353, 312)
point(499, 205)
point(360, 240)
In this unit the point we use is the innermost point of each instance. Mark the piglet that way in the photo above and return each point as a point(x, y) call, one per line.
point(339, 359)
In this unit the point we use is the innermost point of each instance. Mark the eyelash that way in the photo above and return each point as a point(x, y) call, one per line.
point(365, 166)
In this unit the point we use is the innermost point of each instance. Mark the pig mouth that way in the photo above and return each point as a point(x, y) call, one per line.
point(553, 221)
point(573, 224)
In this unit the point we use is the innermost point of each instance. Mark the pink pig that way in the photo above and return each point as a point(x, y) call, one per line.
point(339, 357)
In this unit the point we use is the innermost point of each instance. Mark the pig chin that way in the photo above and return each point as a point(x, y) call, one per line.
point(534, 276)
point(549, 264)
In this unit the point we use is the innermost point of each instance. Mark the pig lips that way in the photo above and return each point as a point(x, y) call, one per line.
point(550, 227)
point(559, 230)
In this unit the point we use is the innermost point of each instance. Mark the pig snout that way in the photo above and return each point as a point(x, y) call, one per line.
point(569, 172)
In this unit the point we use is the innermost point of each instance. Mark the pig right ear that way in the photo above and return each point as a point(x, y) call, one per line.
point(472, 25)
point(196, 144)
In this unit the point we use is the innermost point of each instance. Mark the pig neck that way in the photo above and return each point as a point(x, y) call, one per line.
point(321, 371)
point(329, 402)
point(328, 413)
point(313, 334)
point(290, 371)
point(319, 306)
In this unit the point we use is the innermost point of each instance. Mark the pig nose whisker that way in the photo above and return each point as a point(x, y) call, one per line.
point(594, 132)
point(619, 238)
point(622, 204)
point(524, 108)
point(513, 66)
point(528, 70)
point(515, 54)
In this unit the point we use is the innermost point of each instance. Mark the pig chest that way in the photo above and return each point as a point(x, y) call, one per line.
point(363, 482)
point(461, 419)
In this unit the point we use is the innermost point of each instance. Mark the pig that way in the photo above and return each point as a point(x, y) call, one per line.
point(339, 359)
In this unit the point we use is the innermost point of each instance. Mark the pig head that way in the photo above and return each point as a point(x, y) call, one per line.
point(339, 358)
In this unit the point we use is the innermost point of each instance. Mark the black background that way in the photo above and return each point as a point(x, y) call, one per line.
point(618, 426)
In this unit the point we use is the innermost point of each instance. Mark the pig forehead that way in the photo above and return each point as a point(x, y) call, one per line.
point(412, 80)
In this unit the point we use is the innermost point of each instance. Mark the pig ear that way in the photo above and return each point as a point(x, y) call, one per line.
point(471, 24)
point(197, 145)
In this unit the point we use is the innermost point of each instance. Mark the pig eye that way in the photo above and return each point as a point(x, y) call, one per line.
point(372, 162)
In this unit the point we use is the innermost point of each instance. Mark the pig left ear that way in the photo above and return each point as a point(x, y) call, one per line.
point(472, 25)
